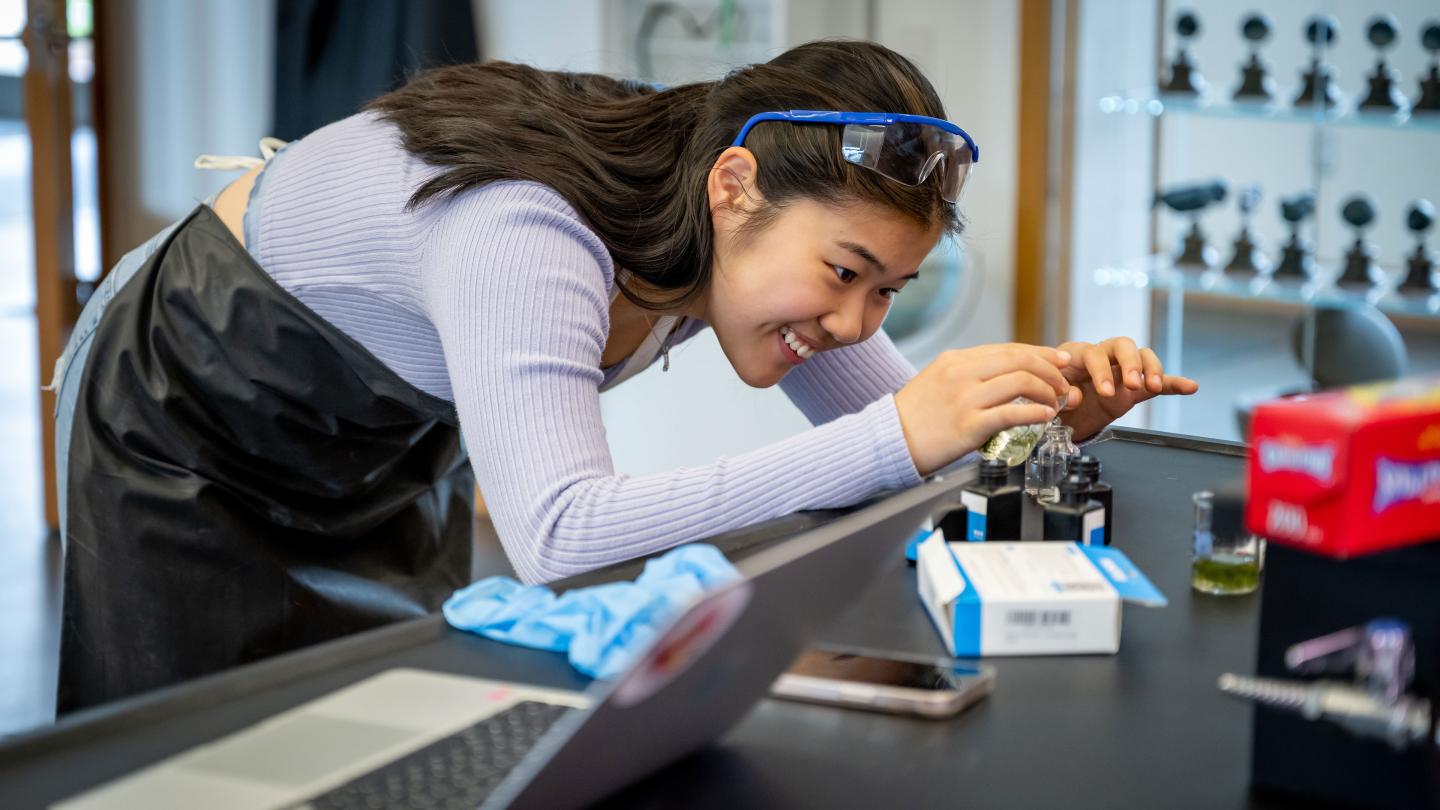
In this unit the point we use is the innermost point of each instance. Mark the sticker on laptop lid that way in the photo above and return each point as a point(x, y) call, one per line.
point(704, 624)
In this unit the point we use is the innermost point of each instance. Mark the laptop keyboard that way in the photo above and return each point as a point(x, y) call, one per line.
point(458, 771)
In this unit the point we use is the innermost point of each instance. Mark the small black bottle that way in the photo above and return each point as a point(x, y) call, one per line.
point(1075, 517)
point(1089, 466)
point(953, 521)
point(992, 505)
point(1016, 475)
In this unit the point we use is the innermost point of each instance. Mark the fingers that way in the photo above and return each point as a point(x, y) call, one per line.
point(1012, 414)
point(1179, 385)
point(1127, 356)
point(1154, 372)
point(1044, 364)
point(1097, 363)
point(1058, 357)
point(1006, 387)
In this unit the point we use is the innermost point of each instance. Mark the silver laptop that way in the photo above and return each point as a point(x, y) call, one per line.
point(409, 737)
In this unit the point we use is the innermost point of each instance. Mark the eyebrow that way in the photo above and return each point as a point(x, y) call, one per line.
point(864, 253)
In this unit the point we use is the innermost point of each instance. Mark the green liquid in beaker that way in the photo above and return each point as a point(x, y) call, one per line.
point(1226, 574)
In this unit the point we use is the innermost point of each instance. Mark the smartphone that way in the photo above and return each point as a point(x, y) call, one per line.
point(925, 688)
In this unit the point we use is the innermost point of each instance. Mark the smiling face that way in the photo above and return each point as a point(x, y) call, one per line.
point(815, 278)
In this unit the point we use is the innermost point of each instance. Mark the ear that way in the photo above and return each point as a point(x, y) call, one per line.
point(731, 185)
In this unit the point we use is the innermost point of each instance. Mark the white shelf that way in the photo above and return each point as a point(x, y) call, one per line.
point(1158, 271)
point(1344, 115)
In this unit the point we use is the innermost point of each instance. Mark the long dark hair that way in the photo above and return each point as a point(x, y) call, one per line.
point(633, 161)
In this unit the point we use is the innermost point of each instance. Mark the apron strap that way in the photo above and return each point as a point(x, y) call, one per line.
point(268, 147)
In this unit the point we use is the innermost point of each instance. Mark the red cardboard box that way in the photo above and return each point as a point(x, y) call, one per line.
point(1348, 472)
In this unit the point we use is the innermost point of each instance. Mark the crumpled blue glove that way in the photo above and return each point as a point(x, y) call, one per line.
point(602, 627)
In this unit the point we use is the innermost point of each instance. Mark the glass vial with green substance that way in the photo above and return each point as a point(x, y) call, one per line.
point(1014, 445)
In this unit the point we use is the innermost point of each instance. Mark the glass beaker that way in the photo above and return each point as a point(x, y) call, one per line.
point(1225, 558)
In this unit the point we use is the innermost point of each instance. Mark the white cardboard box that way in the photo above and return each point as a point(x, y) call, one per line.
point(1028, 598)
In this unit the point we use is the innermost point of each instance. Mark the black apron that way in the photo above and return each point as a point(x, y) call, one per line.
point(244, 480)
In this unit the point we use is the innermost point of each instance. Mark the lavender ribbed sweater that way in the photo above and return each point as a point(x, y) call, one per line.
point(498, 300)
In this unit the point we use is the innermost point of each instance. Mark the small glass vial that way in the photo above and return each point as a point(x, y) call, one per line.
point(1051, 464)
point(1226, 559)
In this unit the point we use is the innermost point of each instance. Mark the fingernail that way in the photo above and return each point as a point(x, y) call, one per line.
point(1154, 379)
point(1050, 412)
point(1065, 358)
point(1107, 388)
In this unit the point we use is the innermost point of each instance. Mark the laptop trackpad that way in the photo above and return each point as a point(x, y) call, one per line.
point(298, 749)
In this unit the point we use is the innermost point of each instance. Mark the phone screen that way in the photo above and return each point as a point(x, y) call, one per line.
point(880, 671)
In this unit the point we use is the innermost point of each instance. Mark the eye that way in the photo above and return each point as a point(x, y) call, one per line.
point(846, 275)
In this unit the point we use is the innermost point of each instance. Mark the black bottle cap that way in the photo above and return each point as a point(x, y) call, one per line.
point(1089, 468)
point(1228, 517)
point(993, 471)
point(1072, 487)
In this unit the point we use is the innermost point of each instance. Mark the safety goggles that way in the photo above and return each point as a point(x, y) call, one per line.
point(904, 148)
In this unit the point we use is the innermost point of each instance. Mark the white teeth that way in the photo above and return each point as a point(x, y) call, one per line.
point(796, 345)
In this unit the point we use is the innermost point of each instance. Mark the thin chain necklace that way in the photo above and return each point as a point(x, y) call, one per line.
point(665, 343)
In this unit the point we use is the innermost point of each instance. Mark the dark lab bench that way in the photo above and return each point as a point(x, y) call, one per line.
point(1143, 728)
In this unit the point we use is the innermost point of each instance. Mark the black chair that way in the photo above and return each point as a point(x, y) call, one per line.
point(1351, 343)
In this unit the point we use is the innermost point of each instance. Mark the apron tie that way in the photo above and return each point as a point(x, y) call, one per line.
point(268, 147)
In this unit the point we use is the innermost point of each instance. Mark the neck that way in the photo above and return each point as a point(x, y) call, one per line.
point(629, 311)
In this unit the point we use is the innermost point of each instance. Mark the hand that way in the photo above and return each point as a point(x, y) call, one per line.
point(1110, 378)
point(968, 395)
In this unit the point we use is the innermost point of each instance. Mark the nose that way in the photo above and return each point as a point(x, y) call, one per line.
point(846, 322)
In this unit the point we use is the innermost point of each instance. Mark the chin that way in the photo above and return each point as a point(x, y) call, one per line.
point(760, 378)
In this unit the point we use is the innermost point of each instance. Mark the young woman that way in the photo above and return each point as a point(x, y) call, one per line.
point(261, 410)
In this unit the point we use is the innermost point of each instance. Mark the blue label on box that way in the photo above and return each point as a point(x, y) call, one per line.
point(967, 615)
point(1128, 581)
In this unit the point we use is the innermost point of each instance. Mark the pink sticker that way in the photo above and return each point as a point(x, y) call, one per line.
point(686, 640)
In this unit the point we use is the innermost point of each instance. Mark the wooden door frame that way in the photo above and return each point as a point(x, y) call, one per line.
point(48, 120)
point(1044, 169)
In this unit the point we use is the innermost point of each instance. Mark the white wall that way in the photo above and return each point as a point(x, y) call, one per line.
point(183, 78)
point(970, 51)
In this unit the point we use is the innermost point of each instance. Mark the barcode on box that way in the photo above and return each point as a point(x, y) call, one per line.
point(1038, 618)
point(1076, 587)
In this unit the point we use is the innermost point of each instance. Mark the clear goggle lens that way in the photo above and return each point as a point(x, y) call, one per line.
point(909, 153)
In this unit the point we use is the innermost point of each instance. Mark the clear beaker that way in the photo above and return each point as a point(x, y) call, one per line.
point(1225, 558)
